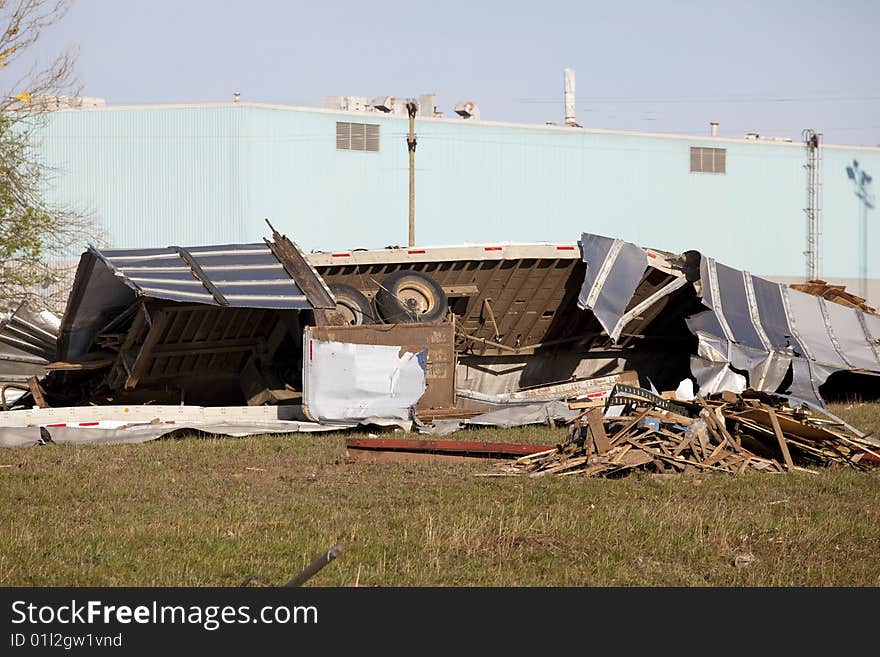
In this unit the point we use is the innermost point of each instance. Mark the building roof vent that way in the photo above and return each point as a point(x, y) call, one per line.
point(383, 103)
point(467, 110)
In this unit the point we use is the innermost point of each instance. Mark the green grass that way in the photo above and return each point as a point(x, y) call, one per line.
point(200, 512)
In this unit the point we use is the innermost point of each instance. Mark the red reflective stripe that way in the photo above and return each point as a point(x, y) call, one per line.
point(492, 248)
point(651, 255)
point(89, 424)
point(310, 350)
point(565, 248)
point(60, 424)
point(340, 255)
point(416, 251)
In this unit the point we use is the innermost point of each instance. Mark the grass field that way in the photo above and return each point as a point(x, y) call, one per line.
point(199, 512)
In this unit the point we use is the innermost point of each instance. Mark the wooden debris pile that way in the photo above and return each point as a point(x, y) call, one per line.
point(835, 293)
point(726, 433)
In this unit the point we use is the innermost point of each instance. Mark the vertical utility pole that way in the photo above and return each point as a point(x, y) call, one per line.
point(411, 109)
point(813, 252)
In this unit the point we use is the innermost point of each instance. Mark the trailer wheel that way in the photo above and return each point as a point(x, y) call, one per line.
point(407, 296)
point(354, 307)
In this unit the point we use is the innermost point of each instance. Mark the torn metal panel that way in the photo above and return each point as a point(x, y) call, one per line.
point(803, 385)
point(772, 314)
point(507, 374)
point(138, 413)
point(349, 382)
point(237, 275)
point(737, 310)
point(715, 377)
point(246, 276)
point(772, 372)
point(614, 270)
point(851, 338)
point(437, 338)
point(595, 388)
point(141, 433)
point(754, 313)
point(676, 283)
point(764, 328)
point(32, 331)
point(806, 314)
point(506, 416)
point(28, 343)
point(871, 326)
point(712, 321)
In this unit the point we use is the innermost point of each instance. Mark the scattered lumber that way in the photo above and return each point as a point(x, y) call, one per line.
point(727, 433)
point(835, 293)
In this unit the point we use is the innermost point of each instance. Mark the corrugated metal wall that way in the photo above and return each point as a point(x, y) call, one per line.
point(156, 176)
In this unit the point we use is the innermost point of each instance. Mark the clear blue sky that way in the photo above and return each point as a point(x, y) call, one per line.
point(771, 67)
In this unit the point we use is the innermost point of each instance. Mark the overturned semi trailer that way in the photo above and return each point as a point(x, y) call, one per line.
point(533, 316)
point(515, 309)
point(209, 325)
point(448, 331)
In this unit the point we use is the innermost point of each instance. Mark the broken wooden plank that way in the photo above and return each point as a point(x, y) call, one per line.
point(37, 392)
point(144, 358)
point(92, 361)
point(597, 429)
point(622, 432)
point(783, 446)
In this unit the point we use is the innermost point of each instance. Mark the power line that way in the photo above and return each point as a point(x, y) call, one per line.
point(720, 99)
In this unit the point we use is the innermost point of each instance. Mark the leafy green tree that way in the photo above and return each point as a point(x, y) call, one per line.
point(39, 239)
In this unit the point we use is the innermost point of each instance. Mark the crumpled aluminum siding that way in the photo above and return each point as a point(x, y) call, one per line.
point(33, 332)
point(750, 323)
point(762, 327)
point(245, 275)
point(614, 269)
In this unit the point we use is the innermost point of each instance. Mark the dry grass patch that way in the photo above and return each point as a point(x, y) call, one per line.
point(201, 512)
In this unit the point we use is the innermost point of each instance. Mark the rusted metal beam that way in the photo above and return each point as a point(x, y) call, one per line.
point(314, 567)
point(200, 274)
point(297, 267)
point(445, 446)
point(5, 386)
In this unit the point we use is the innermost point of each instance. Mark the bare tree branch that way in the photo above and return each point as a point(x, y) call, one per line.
point(37, 236)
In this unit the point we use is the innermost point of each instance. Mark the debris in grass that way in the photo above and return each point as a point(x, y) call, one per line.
point(729, 433)
point(743, 560)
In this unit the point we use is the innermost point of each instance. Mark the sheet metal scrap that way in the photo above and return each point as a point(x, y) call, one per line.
point(776, 334)
point(727, 433)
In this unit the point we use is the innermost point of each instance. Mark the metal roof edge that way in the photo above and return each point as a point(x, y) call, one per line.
point(479, 122)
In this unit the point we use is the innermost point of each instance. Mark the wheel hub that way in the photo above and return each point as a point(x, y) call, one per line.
point(416, 298)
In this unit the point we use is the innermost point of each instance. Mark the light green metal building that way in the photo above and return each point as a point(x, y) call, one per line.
point(202, 174)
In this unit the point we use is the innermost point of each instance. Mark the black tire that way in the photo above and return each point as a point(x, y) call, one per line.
point(354, 307)
point(409, 297)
